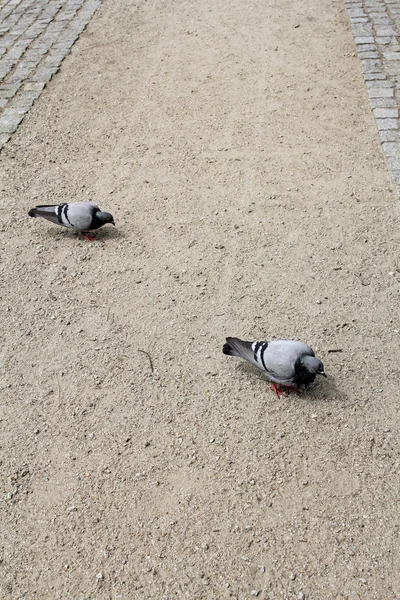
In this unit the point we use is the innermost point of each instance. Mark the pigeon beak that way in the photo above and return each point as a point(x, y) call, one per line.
point(323, 374)
point(112, 222)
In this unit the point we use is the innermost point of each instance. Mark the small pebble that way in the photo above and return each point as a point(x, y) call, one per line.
point(301, 596)
point(99, 576)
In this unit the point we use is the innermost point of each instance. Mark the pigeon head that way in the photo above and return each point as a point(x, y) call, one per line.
point(105, 217)
point(313, 365)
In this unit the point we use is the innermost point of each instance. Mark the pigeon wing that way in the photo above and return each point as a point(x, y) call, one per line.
point(79, 215)
point(280, 357)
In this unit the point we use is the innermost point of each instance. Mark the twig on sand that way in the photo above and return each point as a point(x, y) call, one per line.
point(335, 350)
point(58, 388)
point(149, 357)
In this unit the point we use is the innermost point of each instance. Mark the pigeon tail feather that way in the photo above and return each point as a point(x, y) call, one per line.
point(46, 211)
point(43, 210)
point(228, 350)
point(241, 348)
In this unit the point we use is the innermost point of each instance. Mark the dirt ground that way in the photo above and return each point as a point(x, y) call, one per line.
point(234, 144)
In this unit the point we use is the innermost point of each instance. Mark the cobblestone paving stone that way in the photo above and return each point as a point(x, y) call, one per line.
point(35, 37)
point(376, 30)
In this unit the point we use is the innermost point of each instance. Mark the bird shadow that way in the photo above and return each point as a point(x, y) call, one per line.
point(322, 389)
point(98, 236)
point(110, 233)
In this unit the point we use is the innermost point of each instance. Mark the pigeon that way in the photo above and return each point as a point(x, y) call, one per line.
point(81, 216)
point(288, 364)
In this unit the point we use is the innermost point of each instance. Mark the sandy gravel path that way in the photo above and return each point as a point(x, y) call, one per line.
point(235, 146)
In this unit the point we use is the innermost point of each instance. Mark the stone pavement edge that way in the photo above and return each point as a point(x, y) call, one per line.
point(376, 29)
point(35, 37)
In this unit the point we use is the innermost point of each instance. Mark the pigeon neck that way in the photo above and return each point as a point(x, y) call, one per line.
point(97, 221)
point(302, 375)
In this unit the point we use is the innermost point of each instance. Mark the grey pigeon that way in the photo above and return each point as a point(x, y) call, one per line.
point(81, 216)
point(286, 363)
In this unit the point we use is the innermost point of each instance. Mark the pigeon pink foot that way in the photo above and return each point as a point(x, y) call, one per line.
point(286, 390)
point(88, 238)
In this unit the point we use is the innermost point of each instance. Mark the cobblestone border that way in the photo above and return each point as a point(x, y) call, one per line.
point(35, 37)
point(376, 30)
